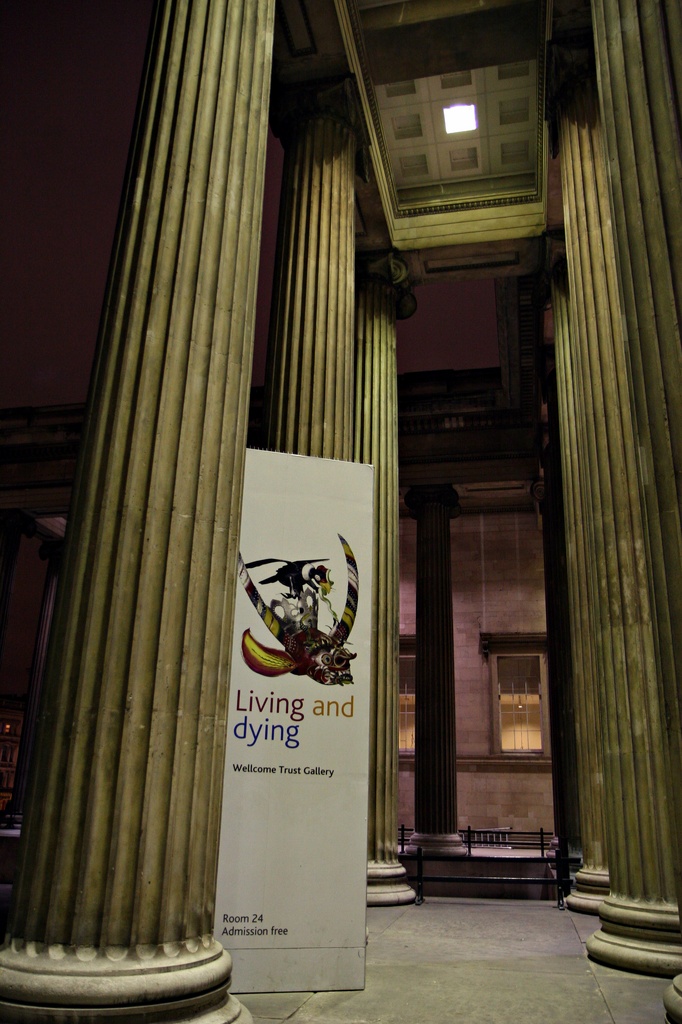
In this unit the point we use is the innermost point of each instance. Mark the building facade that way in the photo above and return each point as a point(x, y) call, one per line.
point(112, 905)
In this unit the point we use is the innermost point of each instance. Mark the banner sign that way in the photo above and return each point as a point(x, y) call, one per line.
point(292, 874)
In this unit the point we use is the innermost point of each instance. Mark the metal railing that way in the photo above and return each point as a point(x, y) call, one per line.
point(561, 877)
point(498, 838)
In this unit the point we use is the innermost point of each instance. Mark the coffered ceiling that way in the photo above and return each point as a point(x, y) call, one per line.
point(413, 61)
point(458, 205)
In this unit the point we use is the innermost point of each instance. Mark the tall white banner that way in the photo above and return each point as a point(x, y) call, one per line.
point(292, 875)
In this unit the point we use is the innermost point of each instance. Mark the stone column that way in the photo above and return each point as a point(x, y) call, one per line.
point(566, 790)
point(13, 525)
point(113, 906)
point(639, 70)
point(435, 744)
point(50, 550)
point(640, 928)
point(592, 880)
point(376, 442)
point(309, 374)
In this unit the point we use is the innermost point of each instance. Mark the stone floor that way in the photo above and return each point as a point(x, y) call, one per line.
point(478, 961)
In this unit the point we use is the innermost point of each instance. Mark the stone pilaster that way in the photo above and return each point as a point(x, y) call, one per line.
point(309, 376)
point(639, 69)
point(13, 525)
point(51, 551)
point(113, 906)
point(435, 745)
point(592, 880)
point(640, 927)
point(376, 442)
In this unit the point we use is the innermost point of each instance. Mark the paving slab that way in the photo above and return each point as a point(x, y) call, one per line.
point(473, 993)
point(482, 961)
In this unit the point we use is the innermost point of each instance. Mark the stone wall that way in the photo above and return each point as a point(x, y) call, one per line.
point(498, 587)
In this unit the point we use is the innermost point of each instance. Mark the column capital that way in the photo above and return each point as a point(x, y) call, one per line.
point(570, 63)
point(537, 493)
point(51, 549)
point(553, 252)
point(390, 269)
point(17, 521)
point(417, 498)
point(333, 99)
point(559, 271)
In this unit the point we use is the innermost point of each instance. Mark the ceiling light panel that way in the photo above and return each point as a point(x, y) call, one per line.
point(400, 90)
point(463, 86)
point(517, 71)
point(414, 166)
point(512, 154)
point(514, 111)
point(407, 126)
point(510, 110)
point(403, 94)
point(515, 154)
point(511, 77)
point(421, 150)
point(456, 158)
point(460, 118)
point(466, 158)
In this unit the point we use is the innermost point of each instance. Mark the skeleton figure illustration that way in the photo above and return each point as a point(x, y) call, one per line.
point(292, 618)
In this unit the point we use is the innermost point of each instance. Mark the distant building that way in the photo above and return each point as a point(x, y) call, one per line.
point(11, 722)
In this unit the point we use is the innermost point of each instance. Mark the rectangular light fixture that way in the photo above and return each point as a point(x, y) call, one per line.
point(461, 117)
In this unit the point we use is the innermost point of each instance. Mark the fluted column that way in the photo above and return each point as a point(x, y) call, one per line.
point(50, 550)
point(112, 910)
point(639, 70)
point(640, 927)
point(309, 375)
point(376, 442)
point(592, 880)
point(435, 745)
point(13, 525)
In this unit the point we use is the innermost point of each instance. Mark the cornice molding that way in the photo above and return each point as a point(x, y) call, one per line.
point(512, 643)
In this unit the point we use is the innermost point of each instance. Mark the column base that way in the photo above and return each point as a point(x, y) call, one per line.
point(592, 888)
point(387, 885)
point(188, 1012)
point(672, 1000)
point(450, 843)
point(176, 983)
point(641, 937)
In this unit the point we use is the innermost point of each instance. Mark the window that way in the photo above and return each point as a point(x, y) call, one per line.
point(515, 111)
point(518, 677)
point(401, 89)
point(455, 80)
point(414, 166)
point(464, 159)
point(407, 126)
point(518, 686)
point(521, 69)
point(407, 698)
point(514, 152)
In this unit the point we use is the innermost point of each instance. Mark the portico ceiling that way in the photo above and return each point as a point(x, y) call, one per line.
point(411, 60)
point(414, 60)
point(458, 206)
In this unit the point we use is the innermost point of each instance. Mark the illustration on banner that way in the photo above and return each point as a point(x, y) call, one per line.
point(293, 618)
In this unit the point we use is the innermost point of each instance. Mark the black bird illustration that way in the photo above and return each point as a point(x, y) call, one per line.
point(295, 575)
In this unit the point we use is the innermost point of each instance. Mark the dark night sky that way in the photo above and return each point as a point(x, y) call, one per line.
point(69, 77)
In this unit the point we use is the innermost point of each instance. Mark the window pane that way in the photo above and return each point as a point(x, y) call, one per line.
point(406, 723)
point(519, 702)
point(406, 741)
